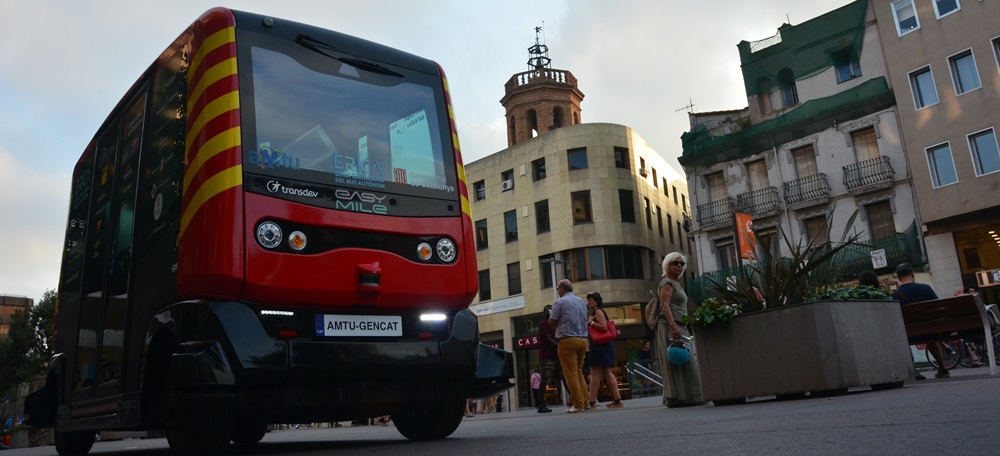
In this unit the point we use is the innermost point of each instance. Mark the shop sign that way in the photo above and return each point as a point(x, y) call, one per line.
point(500, 305)
point(493, 343)
point(523, 343)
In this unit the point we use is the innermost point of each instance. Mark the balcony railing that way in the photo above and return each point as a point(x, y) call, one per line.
point(811, 188)
point(871, 174)
point(760, 201)
point(716, 212)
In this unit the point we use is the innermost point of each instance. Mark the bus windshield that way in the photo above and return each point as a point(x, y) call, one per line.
point(320, 120)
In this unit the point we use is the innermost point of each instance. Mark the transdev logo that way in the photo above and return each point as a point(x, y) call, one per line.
point(278, 187)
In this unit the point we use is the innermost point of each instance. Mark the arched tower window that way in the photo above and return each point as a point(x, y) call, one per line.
point(789, 94)
point(558, 117)
point(512, 131)
point(533, 122)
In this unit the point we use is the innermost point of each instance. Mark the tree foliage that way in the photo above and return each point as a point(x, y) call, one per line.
point(27, 349)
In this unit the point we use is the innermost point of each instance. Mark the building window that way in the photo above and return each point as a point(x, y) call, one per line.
point(542, 216)
point(510, 225)
point(865, 144)
point(757, 172)
point(922, 87)
point(665, 193)
point(996, 50)
point(725, 253)
point(480, 189)
point(621, 157)
point(906, 17)
point(716, 187)
point(482, 235)
point(805, 162)
point(684, 202)
point(964, 73)
point(764, 96)
point(847, 65)
point(942, 165)
point(985, 154)
point(816, 231)
point(577, 158)
point(649, 214)
point(945, 7)
point(484, 286)
point(538, 169)
point(659, 221)
point(675, 192)
point(507, 180)
point(789, 93)
point(880, 222)
point(670, 227)
point(610, 262)
point(513, 279)
point(581, 207)
point(654, 177)
point(627, 206)
point(680, 235)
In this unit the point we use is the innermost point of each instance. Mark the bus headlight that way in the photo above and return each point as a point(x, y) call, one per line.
point(424, 251)
point(297, 240)
point(446, 250)
point(269, 235)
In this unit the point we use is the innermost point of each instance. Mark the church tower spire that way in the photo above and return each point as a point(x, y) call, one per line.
point(540, 99)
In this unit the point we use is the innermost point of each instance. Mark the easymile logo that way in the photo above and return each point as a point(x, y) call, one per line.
point(277, 187)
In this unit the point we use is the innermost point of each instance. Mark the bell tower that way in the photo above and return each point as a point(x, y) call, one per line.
point(540, 99)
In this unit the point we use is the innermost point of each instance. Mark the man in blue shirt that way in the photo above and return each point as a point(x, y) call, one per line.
point(569, 316)
point(910, 291)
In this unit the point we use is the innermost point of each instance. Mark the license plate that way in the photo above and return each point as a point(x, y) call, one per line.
point(359, 325)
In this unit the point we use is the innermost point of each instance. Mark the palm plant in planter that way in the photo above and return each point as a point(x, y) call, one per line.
point(785, 342)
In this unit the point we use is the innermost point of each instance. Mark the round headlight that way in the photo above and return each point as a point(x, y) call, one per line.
point(424, 251)
point(446, 250)
point(269, 235)
point(297, 240)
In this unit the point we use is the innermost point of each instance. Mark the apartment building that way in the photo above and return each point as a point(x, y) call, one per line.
point(818, 141)
point(943, 61)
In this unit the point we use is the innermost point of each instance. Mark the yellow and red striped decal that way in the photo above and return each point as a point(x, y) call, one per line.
point(463, 185)
point(213, 124)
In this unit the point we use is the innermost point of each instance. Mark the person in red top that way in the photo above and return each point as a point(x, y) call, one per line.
point(548, 357)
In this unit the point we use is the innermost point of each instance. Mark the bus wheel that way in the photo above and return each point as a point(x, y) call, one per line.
point(199, 425)
point(74, 443)
point(248, 433)
point(433, 421)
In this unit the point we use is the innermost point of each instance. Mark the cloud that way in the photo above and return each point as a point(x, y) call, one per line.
point(33, 209)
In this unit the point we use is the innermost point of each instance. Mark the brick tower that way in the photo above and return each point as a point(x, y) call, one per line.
point(540, 99)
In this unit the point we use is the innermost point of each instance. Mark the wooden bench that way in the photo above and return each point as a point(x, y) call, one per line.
point(941, 319)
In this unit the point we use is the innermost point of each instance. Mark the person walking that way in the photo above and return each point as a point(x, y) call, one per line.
point(602, 356)
point(569, 316)
point(911, 291)
point(548, 357)
point(681, 384)
point(536, 387)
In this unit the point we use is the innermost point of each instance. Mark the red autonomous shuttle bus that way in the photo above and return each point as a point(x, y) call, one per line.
point(272, 226)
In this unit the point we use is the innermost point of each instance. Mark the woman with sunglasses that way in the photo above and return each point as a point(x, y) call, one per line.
point(681, 384)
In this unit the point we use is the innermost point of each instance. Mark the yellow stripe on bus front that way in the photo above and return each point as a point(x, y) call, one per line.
point(466, 207)
point(220, 38)
point(222, 70)
point(222, 181)
point(219, 106)
point(218, 143)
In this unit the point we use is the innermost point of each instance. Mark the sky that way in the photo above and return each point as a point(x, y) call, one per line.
point(65, 64)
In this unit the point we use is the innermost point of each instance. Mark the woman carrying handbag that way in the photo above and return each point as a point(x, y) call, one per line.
point(602, 355)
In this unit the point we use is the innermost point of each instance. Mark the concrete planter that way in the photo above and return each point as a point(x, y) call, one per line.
point(818, 347)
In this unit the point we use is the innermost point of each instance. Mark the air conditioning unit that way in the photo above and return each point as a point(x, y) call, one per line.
point(642, 172)
point(507, 185)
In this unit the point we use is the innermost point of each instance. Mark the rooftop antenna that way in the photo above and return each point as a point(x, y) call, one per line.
point(538, 55)
point(689, 107)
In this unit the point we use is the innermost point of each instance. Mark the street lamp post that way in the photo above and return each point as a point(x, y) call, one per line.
point(552, 262)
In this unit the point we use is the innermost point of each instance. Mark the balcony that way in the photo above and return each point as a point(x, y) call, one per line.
point(716, 212)
point(807, 191)
point(759, 203)
point(869, 175)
